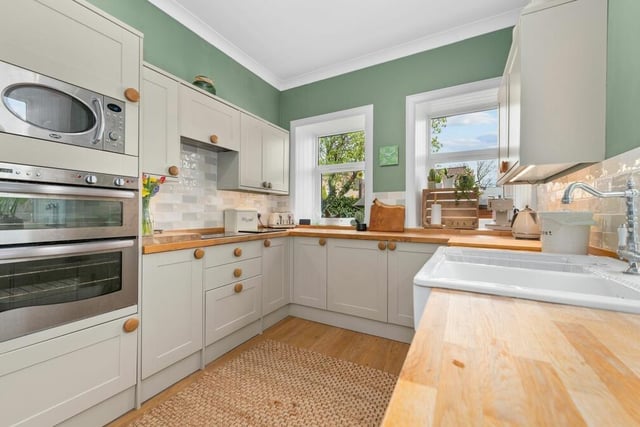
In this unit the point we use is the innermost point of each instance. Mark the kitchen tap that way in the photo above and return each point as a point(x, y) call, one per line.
point(628, 242)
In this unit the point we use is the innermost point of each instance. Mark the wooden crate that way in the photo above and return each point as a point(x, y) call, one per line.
point(461, 213)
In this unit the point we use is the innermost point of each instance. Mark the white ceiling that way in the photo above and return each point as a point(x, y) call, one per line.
point(289, 43)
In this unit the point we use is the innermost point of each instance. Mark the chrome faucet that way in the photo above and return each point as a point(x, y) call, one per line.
point(628, 243)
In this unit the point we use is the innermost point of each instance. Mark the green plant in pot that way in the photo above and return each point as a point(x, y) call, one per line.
point(436, 176)
point(359, 220)
point(465, 185)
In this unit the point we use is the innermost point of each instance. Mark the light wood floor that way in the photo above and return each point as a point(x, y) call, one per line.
point(367, 350)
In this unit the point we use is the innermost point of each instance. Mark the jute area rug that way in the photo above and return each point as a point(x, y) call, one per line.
point(275, 384)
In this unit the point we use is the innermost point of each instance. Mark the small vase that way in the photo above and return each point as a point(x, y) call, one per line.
point(147, 219)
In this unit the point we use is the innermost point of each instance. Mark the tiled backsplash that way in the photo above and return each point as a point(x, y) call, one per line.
point(193, 201)
point(609, 175)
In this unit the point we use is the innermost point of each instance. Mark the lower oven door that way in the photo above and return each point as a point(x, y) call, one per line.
point(50, 285)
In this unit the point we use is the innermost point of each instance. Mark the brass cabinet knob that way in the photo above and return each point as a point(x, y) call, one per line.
point(392, 246)
point(198, 253)
point(267, 243)
point(382, 246)
point(237, 288)
point(322, 242)
point(132, 94)
point(131, 324)
point(237, 252)
point(174, 170)
point(237, 272)
point(214, 139)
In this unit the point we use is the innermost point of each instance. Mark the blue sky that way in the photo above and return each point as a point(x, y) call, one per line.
point(472, 131)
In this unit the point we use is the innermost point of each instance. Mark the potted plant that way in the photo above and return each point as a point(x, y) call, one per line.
point(465, 185)
point(359, 220)
point(435, 177)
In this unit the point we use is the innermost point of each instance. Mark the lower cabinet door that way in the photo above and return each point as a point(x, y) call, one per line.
point(46, 383)
point(231, 307)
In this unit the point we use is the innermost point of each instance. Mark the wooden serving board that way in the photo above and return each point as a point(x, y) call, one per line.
point(462, 213)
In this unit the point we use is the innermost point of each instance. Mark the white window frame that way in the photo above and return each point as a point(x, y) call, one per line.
point(420, 109)
point(305, 171)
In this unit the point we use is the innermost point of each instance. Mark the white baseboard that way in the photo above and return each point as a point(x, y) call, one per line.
point(228, 343)
point(159, 381)
point(104, 412)
point(272, 318)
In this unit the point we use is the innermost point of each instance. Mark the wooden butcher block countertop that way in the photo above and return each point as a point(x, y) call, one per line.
point(480, 360)
point(189, 239)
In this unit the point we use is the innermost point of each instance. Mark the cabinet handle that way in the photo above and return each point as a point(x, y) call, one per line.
point(237, 272)
point(237, 252)
point(237, 288)
point(131, 324)
point(392, 246)
point(214, 139)
point(198, 253)
point(504, 166)
point(267, 243)
point(265, 184)
point(132, 94)
point(382, 246)
point(322, 242)
point(174, 170)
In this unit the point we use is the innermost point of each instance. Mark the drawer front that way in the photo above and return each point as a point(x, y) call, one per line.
point(232, 252)
point(228, 309)
point(221, 275)
point(48, 382)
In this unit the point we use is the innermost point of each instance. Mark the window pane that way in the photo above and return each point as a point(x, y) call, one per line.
point(463, 132)
point(485, 172)
point(341, 148)
point(342, 194)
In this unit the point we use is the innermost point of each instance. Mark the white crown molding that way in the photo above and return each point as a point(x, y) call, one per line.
point(195, 24)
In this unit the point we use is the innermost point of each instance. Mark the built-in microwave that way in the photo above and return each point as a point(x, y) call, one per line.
point(38, 106)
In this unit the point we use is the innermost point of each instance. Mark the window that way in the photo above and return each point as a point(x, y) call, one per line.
point(341, 167)
point(330, 163)
point(451, 128)
point(466, 140)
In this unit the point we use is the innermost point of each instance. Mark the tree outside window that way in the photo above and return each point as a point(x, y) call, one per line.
point(341, 167)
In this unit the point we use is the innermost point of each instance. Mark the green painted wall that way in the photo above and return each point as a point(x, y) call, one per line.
point(623, 77)
point(174, 48)
point(387, 85)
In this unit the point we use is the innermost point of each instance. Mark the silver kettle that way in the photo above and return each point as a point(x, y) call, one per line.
point(525, 224)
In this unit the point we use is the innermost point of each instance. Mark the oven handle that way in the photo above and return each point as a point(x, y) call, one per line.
point(30, 188)
point(31, 252)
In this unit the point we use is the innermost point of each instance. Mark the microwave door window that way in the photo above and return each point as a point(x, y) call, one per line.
point(49, 109)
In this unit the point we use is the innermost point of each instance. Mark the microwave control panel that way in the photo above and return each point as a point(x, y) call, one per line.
point(113, 125)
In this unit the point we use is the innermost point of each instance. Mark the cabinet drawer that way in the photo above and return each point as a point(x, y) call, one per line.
point(220, 275)
point(229, 309)
point(232, 252)
point(205, 119)
point(48, 382)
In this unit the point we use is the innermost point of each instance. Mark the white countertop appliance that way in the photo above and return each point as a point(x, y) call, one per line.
point(281, 220)
point(245, 219)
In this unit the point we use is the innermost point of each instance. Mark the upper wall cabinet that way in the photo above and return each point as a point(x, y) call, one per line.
point(205, 119)
point(554, 90)
point(262, 163)
point(160, 153)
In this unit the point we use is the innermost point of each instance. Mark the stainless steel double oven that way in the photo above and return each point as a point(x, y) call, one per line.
point(68, 246)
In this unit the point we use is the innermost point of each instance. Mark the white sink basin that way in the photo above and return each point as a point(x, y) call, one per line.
point(583, 280)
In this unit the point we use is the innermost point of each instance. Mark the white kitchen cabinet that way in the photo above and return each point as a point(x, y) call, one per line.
point(404, 260)
point(160, 152)
point(263, 161)
point(556, 80)
point(51, 381)
point(357, 278)
point(231, 307)
point(233, 285)
point(275, 274)
point(205, 119)
point(310, 271)
point(171, 308)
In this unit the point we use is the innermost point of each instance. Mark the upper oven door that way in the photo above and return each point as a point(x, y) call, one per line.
point(41, 107)
point(35, 213)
